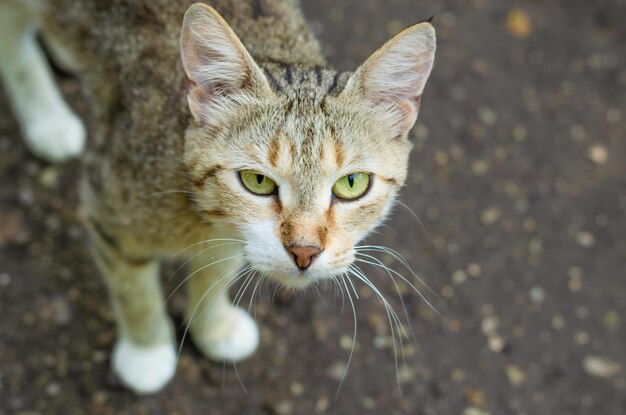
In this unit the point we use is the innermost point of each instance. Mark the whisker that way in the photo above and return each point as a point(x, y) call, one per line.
point(406, 313)
point(251, 304)
point(239, 379)
point(319, 294)
point(399, 258)
point(382, 266)
point(195, 255)
point(345, 373)
point(412, 212)
point(206, 242)
point(339, 289)
point(165, 192)
point(190, 319)
point(198, 270)
point(392, 317)
point(242, 290)
point(353, 288)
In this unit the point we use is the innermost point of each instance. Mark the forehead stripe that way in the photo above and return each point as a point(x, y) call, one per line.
point(273, 81)
point(288, 73)
point(274, 150)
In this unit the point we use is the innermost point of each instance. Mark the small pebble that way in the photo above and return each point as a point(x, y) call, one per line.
point(296, 389)
point(489, 325)
point(5, 279)
point(490, 215)
point(321, 405)
point(487, 116)
point(283, 407)
point(457, 375)
point(518, 23)
point(61, 310)
point(49, 177)
point(98, 356)
point(535, 246)
point(516, 376)
point(585, 239)
point(441, 158)
point(558, 322)
point(582, 338)
point(346, 342)
point(447, 291)
point(519, 133)
point(459, 276)
point(480, 167)
point(471, 410)
point(474, 270)
point(486, 310)
point(368, 403)
point(11, 226)
point(454, 325)
point(421, 131)
point(530, 225)
point(382, 342)
point(337, 370)
point(479, 66)
point(496, 343)
point(474, 396)
point(610, 320)
point(601, 367)
point(598, 154)
point(575, 282)
point(537, 294)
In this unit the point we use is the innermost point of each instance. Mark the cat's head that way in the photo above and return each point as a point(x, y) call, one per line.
point(303, 162)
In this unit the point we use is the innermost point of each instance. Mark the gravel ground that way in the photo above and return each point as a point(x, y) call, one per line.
point(519, 178)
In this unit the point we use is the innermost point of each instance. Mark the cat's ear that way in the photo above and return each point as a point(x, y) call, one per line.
point(393, 78)
point(216, 63)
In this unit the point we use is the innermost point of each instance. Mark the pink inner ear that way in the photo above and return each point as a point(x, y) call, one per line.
point(195, 97)
point(408, 110)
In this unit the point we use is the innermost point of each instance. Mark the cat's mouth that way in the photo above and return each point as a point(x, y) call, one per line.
point(289, 275)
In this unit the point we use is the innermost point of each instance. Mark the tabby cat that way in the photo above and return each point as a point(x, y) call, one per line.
point(234, 147)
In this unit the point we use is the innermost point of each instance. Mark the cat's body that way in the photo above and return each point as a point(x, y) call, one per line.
point(152, 191)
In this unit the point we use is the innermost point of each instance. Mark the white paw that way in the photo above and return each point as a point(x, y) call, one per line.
point(231, 336)
point(144, 369)
point(56, 137)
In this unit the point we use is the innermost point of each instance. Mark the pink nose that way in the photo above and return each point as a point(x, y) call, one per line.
point(304, 255)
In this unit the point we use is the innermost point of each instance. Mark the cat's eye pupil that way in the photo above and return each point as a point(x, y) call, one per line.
point(351, 180)
point(259, 178)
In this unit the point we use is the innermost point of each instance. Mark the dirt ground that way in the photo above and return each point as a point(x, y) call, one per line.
point(519, 178)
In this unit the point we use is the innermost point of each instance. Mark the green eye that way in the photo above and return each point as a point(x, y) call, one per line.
point(257, 183)
point(352, 186)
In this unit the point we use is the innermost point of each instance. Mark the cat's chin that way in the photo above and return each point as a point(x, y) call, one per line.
point(298, 280)
point(296, 283)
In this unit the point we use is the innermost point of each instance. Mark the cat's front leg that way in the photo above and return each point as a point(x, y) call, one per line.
point(221, 331)
point(144, 356)
point(50, 127)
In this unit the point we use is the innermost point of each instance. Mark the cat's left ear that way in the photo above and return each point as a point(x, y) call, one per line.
point(216, 63)
point(393, 78)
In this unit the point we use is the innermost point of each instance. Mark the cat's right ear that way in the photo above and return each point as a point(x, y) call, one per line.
point(216, 63)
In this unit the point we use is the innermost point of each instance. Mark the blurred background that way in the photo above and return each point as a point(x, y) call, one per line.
point(519, 179)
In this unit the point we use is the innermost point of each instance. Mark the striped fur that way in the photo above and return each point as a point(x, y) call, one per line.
point(170, 139)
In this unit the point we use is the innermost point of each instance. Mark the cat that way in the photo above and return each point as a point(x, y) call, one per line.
point(235, 147)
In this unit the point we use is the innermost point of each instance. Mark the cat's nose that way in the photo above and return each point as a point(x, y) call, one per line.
point(304, 255)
